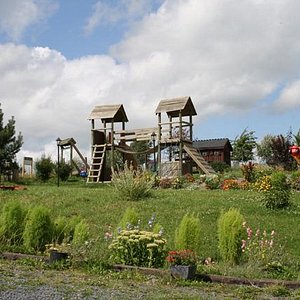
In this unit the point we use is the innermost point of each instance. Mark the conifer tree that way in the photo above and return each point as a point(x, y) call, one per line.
point(10, 144)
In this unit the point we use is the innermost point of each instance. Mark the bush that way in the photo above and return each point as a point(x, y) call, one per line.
point(139, 248)
point(64, 229)
point(38, 229)
point(12, 223)
point(44, 168)
point(212, 181)
point(188, 234)
point(132, 184)
point(230, 235)
point(220, 166)
point(64, 171)
point(295, 180)
point(248, 171)
point(278, 196)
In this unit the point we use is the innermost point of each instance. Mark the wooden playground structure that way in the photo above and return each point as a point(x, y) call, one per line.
point(174, 130)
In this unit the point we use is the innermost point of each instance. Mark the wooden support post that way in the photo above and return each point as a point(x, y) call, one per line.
point(158, 145)
point(180, 143)
point(112, 145)
point(92, 136)
point(170, 137)
point(191, 128)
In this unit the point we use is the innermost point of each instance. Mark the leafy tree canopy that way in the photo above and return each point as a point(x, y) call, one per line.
point(264, 148)
point(10, 144)
point(243, 146)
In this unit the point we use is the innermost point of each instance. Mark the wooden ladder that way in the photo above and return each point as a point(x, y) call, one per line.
point(97, 163)
point(198, 159)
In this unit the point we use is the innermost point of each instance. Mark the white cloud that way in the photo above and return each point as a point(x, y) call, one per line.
point(17, 15)
point(289, 98)
point(226, 55)
point(127, 11)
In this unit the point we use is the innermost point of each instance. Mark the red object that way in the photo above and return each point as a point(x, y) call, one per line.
point(295, 151)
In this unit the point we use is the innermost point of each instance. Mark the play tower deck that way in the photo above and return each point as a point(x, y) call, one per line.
point(108, 135)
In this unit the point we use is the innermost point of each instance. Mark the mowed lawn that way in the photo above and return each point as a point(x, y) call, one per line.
point(100, 206)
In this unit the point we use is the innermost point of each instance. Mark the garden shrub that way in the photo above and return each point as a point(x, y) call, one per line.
point(138, 248)
point(44, 168)
point(278, 196)
point(220, 166)
point(248, 171)
point(230, 235)
point(188, 234)
point(295, 180)
point(165, 183)
point(64, 171)
point(64, 229)
point(132, 184)
point(12, 223)
point(129, 220)
point(212, 181)
point(38, 229)
point(81, 233)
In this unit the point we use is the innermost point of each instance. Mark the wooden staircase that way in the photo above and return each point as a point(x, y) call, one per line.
point(198, 159)
point(97, 163)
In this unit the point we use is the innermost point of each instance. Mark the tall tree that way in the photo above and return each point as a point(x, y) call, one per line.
point(10, 145)
point(264, 149)
point(280, 152)
point(243, 146)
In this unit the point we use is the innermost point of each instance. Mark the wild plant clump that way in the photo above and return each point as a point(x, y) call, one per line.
point(12, 223)
point(259, 247)
point(230, 235)
point(278, 195)
point(132, 184)
point(38, 229)
point(188, 234)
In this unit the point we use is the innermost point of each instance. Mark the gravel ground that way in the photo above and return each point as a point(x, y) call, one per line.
point(22, 282)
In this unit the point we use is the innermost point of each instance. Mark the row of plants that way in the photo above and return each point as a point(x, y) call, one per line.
point(275, 185)
point(32, 229)
point(237, 244)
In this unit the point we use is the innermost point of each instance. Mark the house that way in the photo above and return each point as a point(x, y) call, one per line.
point(214, 149)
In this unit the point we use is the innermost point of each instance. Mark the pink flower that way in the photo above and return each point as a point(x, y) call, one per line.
point(243, 245)
point(249, 233)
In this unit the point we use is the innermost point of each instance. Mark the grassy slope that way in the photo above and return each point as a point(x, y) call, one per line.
point(100, 206)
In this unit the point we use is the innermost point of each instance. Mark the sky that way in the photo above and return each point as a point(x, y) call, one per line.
point(237, 60)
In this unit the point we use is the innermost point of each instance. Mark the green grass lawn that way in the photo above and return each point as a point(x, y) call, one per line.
point(101, 207)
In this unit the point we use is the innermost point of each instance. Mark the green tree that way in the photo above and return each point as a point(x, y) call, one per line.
point(44, 168)
point(140, 146)
point(243, 146)
point(297, 138)
point(10, 144)
point(264, 148)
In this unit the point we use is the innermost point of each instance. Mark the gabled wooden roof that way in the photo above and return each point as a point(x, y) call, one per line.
point(115, 112)
point(173, 106)
point(212, 144)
